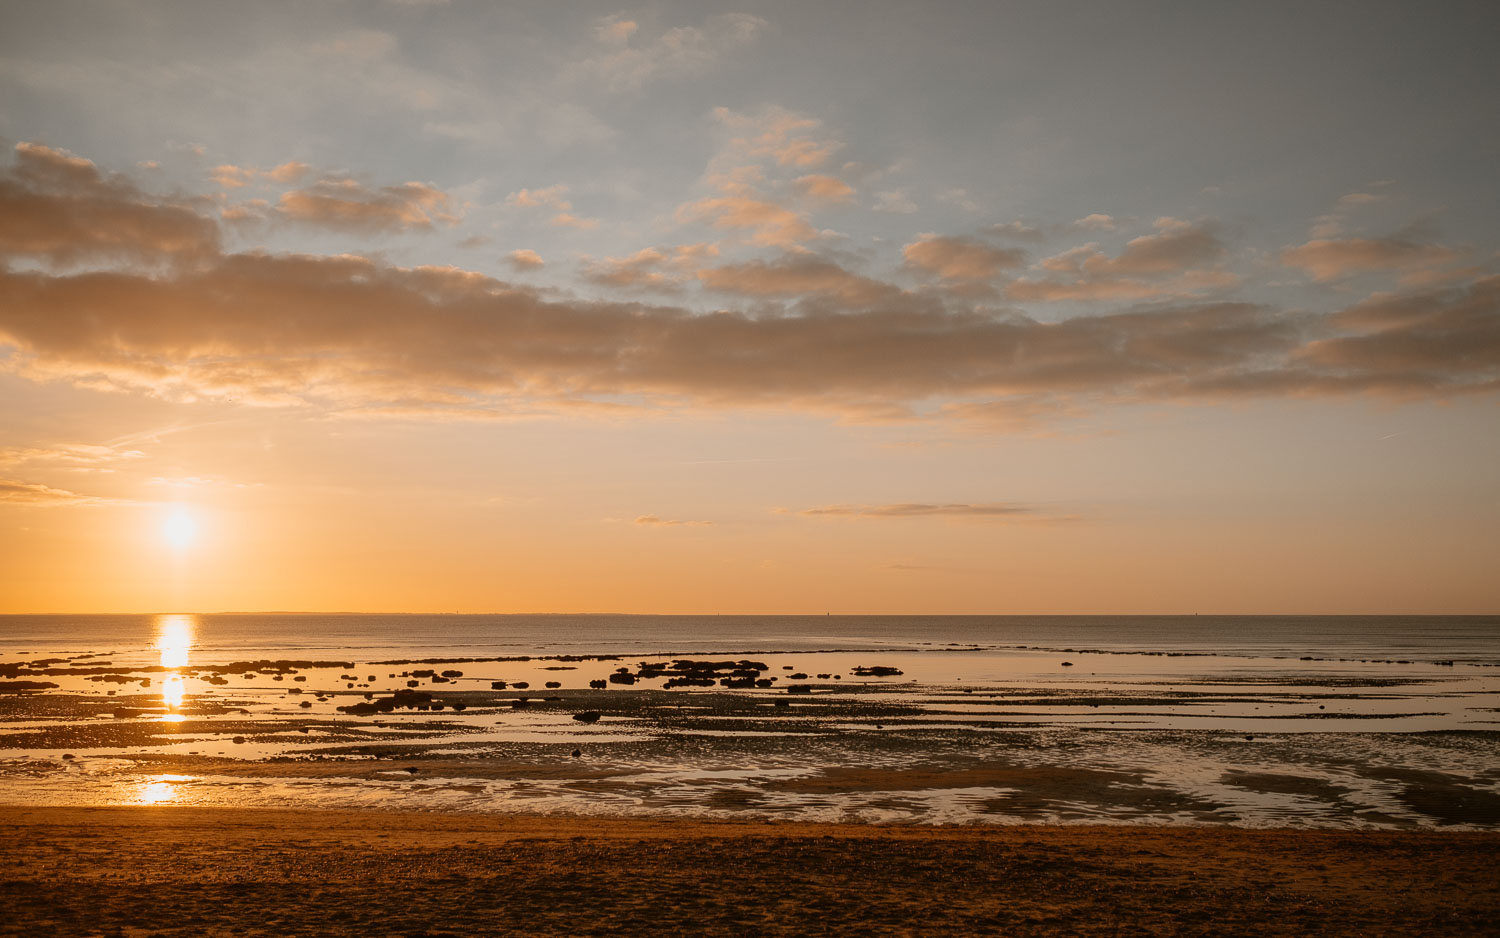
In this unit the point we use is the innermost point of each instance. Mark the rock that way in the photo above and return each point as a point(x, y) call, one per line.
point(599, 684)
point(521, 684)
point(453, 674)
point(577, 753)
point(497, 685)
point(587, 716)
point(554, 683)
point(305, 704)
point(799, 689)
point(1067, 664)
point(622, 677)
point(877, 670)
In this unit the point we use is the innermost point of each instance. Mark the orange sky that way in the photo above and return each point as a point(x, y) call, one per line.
point(430, 307)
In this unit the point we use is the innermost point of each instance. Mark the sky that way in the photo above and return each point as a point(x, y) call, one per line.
point(1010, 308)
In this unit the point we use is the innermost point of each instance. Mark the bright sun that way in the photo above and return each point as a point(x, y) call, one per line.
point(180, 529)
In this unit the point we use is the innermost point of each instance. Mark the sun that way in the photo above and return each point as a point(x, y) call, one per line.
point(180, 529)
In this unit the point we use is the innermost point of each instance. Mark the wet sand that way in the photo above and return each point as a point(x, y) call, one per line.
point(176, 870)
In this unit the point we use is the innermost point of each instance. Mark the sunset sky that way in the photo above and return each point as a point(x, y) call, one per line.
point(771, 308)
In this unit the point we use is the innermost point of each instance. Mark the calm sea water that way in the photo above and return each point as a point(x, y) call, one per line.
point(226, 637)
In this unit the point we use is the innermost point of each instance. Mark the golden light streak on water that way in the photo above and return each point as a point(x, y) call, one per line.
point(162, 789)
point(174, 640)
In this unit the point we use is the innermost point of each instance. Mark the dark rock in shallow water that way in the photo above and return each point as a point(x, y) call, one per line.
point(587, 716)
point(599, 684)
point(577, 753)
point(521, 684)
point(554, 684)
point(799, 689)
point(1067, 664)
point(497, 685)
point(877, 670)
point(622, 678)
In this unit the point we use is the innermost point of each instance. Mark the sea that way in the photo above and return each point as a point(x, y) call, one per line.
point(1259, 721)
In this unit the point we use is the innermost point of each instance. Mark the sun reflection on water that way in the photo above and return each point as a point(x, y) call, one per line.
point(174, 640)
point(162, 789)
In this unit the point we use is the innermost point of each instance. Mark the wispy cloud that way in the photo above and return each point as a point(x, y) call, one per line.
point(622, 64)
point(13, 492)
point(348, 205)
point(986, 511)
point(653, 521)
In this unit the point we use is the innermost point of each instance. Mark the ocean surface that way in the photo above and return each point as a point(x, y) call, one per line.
point(1256, 721)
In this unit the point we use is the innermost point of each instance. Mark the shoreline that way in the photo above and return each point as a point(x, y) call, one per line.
point(170, 870)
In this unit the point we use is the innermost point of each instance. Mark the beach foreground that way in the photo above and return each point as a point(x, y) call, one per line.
point(175, 870)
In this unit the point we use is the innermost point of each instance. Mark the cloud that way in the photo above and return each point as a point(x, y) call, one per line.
point(60, 208)
point(653, 521)
point(1181, 259)
point(1327, 259)
point(237, 177)
point(524, 259)
point(895, 202)
point(678, 52)
point(1018, 230)
point(232, 177)
point(988, 511)
point(76, 456)
point(363, 334)
point(569, 220)
point(348, 205)
point(769, 224)
point(642, 270)
point(13, 492)
point(288, 173)
point(825, 189)
point(1094, 222)
point(796, 276)
point(552, 197)
point(1332, 224)
point(951, 258)
point(776, 135)
point(1420, 336)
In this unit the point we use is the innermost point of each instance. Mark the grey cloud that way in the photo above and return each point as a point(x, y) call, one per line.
point(286, 329)
point(60, 208)
point(1335, 258)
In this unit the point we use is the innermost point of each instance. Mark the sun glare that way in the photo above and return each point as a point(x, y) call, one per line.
point(180, 529)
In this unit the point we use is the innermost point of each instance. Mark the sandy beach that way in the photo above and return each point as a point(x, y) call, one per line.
point(174, 870)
